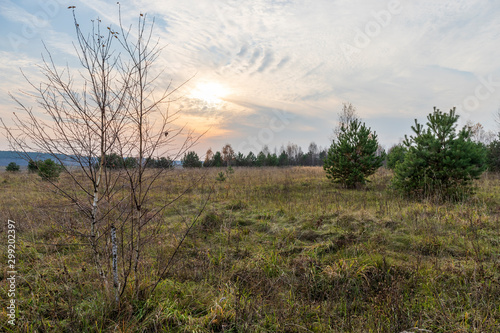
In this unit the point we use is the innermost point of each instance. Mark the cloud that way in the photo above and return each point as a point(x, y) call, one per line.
point(266, 62)
point(15, 13)
point(292, 55)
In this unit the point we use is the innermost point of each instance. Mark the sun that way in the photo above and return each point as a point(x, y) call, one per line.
point(209, 92)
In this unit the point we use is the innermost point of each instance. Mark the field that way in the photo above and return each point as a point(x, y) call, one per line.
point(274, 250)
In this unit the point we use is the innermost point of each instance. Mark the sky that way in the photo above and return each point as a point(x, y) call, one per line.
point(269, 72)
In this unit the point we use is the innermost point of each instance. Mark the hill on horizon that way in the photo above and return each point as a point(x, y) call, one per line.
point(13, 156)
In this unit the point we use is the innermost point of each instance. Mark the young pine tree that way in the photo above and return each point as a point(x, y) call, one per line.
point(493, 155)
point(191, 160)
point(395, 156)
point(49, 170)
point(352, 156)
point(439, 161)
point(13, 167)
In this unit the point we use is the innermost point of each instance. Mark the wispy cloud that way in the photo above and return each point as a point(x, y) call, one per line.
point(292, 55)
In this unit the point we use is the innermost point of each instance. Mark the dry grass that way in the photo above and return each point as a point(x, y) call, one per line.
point(276, 250)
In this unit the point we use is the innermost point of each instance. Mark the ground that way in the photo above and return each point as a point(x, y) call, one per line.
point(274, 250)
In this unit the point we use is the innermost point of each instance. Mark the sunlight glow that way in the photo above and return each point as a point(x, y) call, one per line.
point(209, 92)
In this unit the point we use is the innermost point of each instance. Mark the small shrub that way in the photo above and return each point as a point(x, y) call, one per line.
point(13, 167)
point(49, 170)
point(113, 161)
point(220, 177)
point(32, 166)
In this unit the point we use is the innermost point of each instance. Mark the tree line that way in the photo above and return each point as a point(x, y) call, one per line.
point(291, 155)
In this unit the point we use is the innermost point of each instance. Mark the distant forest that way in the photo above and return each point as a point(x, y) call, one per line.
point(291, 155)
